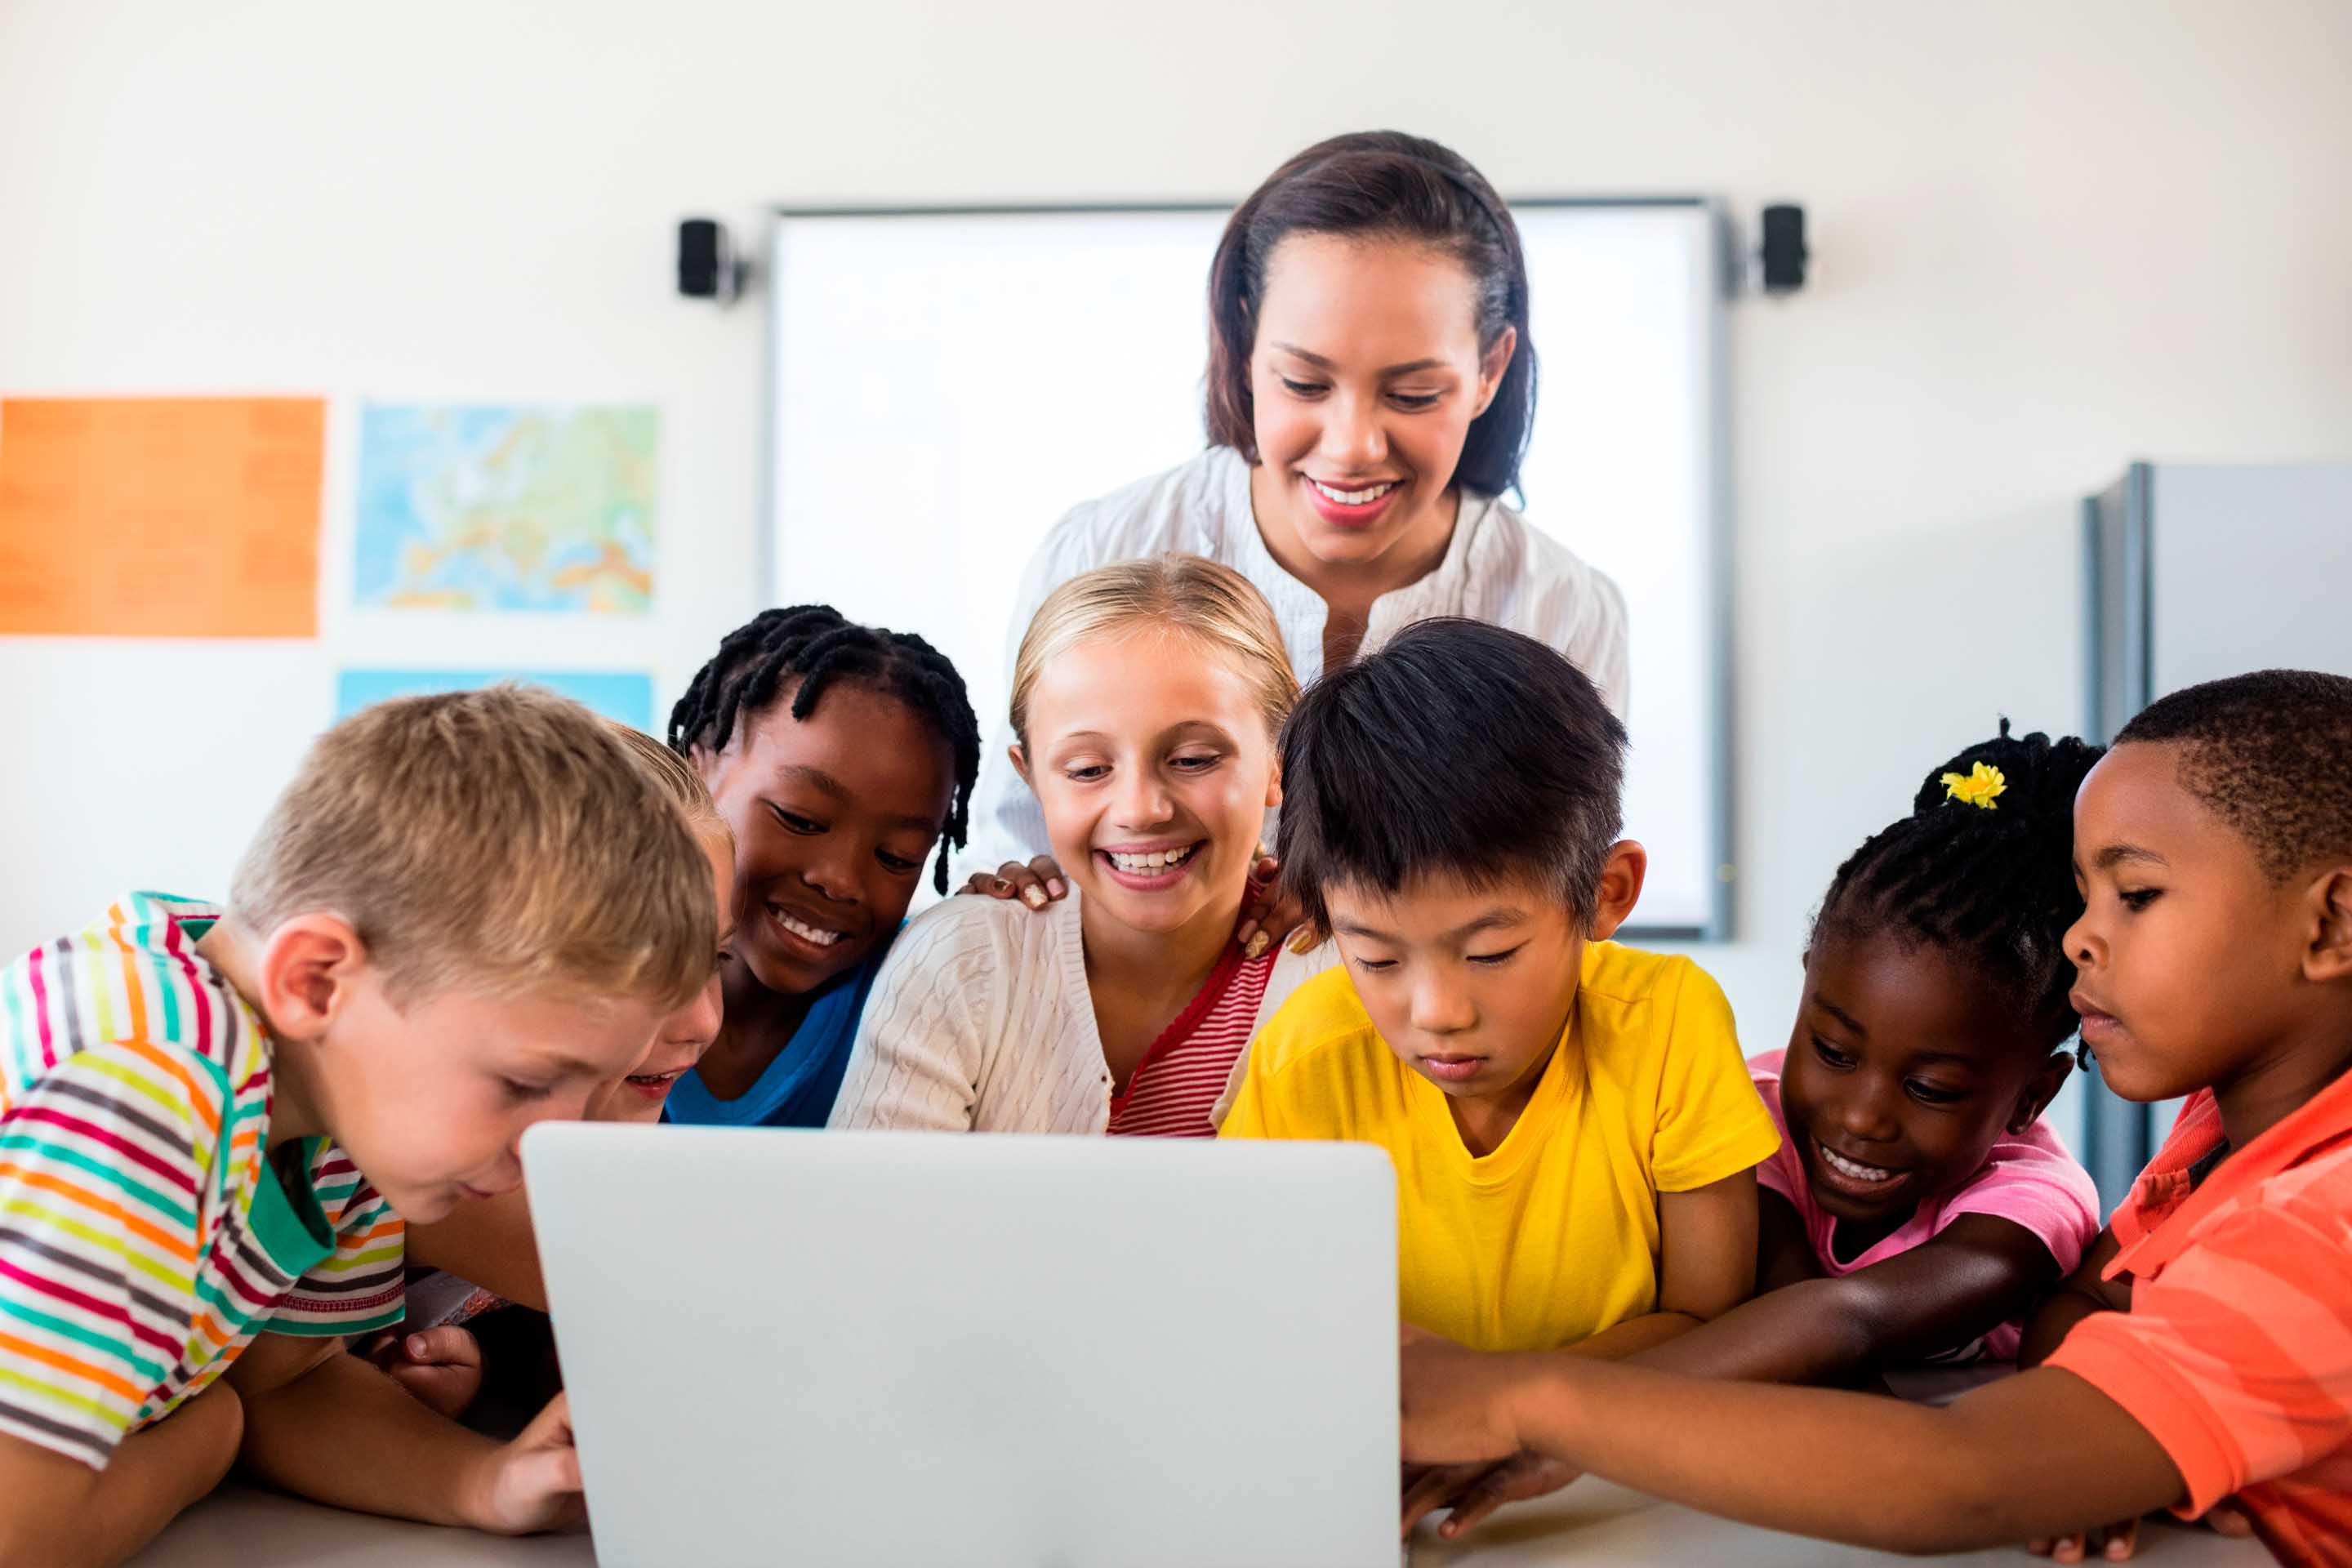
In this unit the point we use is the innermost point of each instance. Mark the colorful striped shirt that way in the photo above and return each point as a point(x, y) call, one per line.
point(148, 1230)
point(1180, 1079)
point(2236, 1355)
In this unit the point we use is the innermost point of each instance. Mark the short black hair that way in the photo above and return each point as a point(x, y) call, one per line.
point(2271, 754)
point(815, 645)
point(1993, 882)
point(1459, 750)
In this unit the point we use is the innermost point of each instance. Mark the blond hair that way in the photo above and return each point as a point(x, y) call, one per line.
point(503, 842)
point(1188, 594)
point(677, 780)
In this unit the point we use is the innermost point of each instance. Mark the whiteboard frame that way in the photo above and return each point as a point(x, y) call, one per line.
point(1716, 482)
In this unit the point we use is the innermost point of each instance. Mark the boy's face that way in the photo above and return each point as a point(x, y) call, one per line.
point(430, 1100)
point(1471, 988)
point(688, 1032)
point(2188, 957)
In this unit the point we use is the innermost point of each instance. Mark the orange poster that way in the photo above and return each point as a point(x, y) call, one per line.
point(160, 516)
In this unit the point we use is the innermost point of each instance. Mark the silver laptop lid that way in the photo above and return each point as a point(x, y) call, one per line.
point(918, 1348)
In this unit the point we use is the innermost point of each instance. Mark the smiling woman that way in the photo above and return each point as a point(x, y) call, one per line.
point(1371, 388)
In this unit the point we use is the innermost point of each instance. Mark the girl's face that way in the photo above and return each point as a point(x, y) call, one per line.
point(1150, 755)
point(1364, 378)
point(1903, 1071)
point(835, 823)
point(686, 1034)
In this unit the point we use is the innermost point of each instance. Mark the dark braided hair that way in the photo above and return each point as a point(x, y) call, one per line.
point(816, 646)
point(1996, 883)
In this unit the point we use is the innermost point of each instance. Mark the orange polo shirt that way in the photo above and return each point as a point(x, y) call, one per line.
point(2236, 1355)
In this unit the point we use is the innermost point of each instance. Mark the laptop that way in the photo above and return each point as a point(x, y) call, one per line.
point(829, 1348)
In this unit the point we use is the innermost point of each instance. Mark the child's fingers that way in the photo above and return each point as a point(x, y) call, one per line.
point(1514, 1480)
point(2228, 1519)
point(1436, 1487)
point(2123, 1541)
point(444, 1346)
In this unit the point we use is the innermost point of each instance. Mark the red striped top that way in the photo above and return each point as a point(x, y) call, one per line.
point(1178, 1079)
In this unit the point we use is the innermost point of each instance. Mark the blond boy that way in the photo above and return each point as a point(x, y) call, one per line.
point(464, 913)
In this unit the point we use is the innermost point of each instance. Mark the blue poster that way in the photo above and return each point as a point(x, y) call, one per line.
point(622, 695)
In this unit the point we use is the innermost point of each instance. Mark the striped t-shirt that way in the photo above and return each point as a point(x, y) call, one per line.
point(2236, 1355)
point(1180, 1079)
point(147, 1230)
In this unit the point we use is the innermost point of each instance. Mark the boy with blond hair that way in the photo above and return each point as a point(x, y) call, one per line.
point(464, 913)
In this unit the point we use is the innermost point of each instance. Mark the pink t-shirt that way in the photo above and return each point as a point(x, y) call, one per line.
point(2028, 1180)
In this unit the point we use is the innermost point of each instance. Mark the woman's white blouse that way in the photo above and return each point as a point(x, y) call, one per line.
point(1497, 569)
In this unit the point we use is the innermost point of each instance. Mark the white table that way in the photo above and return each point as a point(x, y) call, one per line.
point(1591, 1522)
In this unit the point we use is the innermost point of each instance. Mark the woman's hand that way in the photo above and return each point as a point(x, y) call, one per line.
point(1037, 884)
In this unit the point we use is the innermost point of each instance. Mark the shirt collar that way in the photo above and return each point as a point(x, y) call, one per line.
point(2156, 1224)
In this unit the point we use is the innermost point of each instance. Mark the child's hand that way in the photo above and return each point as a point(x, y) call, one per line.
point(1037, 884)
point(442, 1367)
point(531, 1483)
point(1470, 1492)
point(1455, 1402)
point(2119, 1542)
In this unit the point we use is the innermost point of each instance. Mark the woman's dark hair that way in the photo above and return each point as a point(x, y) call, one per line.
point(1459, 751)
point(1379, 184)
point(1993, 880)
point(815, 646)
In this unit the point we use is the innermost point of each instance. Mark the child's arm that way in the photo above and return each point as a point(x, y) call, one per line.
point(327, 1426)
point(488, 1241)
point(2032, 1456)
point(1707, 1266)
point(1708, 1263)
point(1784, 1254)
point(55, 1510)
point(1976, 1274)
point(2083, 1293)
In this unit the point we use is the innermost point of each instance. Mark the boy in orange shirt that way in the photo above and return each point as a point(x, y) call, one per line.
point(2214, 845)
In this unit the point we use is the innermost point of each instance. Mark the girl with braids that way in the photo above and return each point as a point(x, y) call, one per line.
point(1146, 700)
point(1371, 391)
point(1917, 1208)
point(843, 757)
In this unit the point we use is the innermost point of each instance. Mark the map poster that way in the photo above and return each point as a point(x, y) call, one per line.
point(627, 696)
point(530, 508)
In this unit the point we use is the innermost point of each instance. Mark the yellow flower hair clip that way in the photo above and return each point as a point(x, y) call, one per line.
point(1981, 786)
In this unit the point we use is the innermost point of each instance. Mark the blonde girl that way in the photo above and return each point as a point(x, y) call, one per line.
point(1146, 697)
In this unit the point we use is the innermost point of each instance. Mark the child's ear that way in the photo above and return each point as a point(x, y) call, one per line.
point(2329, 957)
point(1621, 888)
point(2040, 1091)
point(1274, 786)
point(1021, 764)
point(308, 968)
point(1491, 366)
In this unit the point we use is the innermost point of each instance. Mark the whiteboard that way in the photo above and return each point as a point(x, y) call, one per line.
point(944, 384)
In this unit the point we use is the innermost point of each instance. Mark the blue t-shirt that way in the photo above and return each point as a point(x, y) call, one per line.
point(799, 1087)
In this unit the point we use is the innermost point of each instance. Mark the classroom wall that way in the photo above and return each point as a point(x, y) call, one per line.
point(2048, 239)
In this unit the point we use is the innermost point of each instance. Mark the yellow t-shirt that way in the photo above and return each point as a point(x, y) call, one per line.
point(1553, 1235)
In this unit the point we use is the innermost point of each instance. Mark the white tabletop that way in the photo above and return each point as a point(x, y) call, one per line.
point(1590, 1523)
